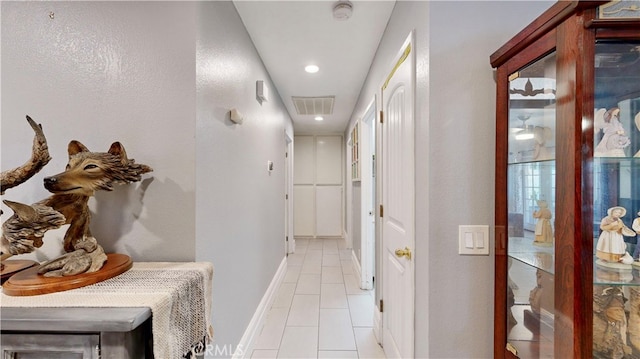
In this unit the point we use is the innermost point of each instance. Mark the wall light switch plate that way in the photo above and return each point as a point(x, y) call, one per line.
point(473, 240)
point(262, 91)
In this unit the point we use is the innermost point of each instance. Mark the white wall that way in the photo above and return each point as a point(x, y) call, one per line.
point(160, 77)
point(455, 115)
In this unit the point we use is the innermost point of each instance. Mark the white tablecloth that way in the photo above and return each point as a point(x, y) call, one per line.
point(179, 295)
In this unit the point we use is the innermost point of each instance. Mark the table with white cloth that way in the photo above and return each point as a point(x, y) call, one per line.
point(176, 296)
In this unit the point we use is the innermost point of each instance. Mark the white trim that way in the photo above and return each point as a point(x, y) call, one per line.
point(289, 181)
point(347, 239)
point(356, 265)
point(367, 197)
point(245, 347)
point(377, 324)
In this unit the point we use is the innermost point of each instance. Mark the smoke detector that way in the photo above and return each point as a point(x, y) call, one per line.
point(342, 10)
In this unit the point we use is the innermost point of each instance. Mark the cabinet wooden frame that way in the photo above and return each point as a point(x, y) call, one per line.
point(570, 28)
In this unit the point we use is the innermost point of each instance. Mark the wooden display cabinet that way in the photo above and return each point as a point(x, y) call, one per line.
point(568, 151)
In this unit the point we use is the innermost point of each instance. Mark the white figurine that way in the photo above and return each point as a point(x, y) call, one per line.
point(611, 245)
point(541, 135)
point(615, 139)
point(635, 225)
point(544, 233)
point(637, 121)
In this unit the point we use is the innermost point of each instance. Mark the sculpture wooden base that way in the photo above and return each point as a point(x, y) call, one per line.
point(13, 266)
point(29, 282)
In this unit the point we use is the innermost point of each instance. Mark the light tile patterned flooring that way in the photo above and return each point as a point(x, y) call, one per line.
point(319, 311)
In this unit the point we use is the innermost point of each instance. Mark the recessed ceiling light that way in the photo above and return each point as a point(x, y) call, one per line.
point(318, 118)
point(312, 69)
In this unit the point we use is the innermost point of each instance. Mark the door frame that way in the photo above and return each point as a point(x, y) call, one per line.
point(290, 241)
point(367, 196)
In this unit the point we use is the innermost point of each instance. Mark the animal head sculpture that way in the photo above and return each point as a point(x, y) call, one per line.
point(23, 232)
point(86, 172)
point(89, 171)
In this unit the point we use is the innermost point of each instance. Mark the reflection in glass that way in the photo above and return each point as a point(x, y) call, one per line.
point(531, 178)
point(616, 199)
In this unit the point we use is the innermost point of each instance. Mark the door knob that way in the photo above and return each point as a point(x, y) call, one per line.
point(406, 252)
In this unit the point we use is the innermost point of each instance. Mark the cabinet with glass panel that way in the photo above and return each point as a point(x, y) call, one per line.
point(568, 184)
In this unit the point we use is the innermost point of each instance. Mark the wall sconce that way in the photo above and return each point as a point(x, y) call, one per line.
point(235, 116)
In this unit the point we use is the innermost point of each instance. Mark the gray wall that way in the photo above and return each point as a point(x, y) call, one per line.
point(239, 205)
point(160, 77)
point(455, 115)
point(100, 72)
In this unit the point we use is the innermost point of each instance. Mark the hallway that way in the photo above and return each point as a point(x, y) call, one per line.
point(319, 311)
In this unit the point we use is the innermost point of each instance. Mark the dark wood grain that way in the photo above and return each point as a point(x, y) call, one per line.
point(571, 29)
point(574, 258)
point(501, 213)
point(546, 22)
point(542, 47)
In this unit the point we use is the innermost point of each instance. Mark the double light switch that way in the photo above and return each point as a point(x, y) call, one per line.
point(473, 240)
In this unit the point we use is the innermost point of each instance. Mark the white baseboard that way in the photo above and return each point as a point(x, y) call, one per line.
point(245, 347)
point(291, 247)
point(347, 239)
point(377, 324)
point(357, 270)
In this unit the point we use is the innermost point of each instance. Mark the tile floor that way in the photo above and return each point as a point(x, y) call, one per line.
point(319, 311)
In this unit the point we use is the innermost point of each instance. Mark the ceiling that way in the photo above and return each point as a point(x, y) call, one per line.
point(290, 35)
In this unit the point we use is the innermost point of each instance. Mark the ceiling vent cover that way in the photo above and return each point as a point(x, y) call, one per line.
point(314, 105)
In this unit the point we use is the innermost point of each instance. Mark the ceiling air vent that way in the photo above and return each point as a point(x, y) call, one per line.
point(314, 105)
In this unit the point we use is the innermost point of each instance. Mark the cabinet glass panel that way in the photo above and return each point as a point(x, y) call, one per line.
point(531, 205)
point(616, 200)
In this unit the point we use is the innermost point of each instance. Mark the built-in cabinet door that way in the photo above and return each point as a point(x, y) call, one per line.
point(329, 213)
point(304, 213)
point(318, 185)
point(328, 160)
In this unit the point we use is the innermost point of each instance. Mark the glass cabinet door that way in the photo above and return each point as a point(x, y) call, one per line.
point(531, 173)
point(616, 200)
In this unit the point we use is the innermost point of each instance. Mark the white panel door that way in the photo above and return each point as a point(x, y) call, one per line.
point(304, 210)
point(398, 202)
point(329, 160)
point(304, 160)
point(329, 210)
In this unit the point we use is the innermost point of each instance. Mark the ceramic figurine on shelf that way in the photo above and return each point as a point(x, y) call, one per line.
point(535, 295)
point(637, 121)
point(635, 225)
point(540, 136)
point(634, 318)
point(543, 232)
point(614, 140)
point(611, 247)
point(609, 323)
